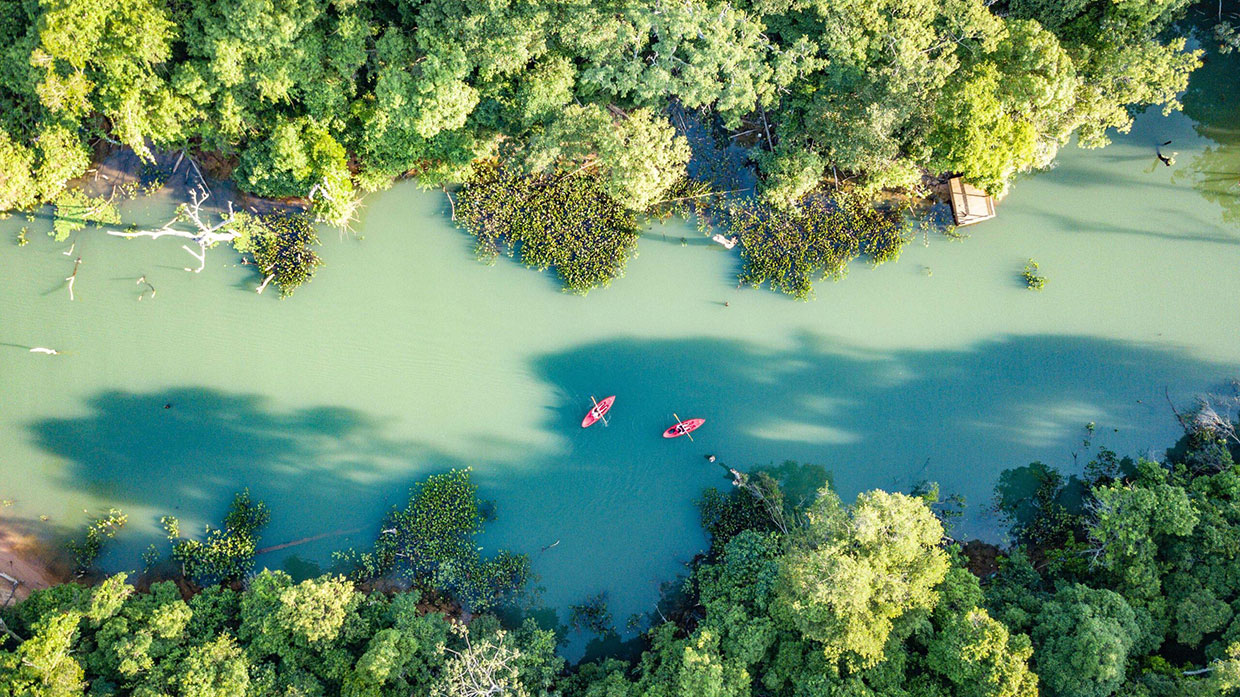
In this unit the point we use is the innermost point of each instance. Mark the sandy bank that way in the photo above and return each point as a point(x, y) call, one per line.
point(24, 558)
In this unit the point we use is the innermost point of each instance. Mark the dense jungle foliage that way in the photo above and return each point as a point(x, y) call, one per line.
point(321, 99)
point(1123, 581)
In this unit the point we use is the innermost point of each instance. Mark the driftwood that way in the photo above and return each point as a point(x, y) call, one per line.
point(149, 287)
point(5, 629)
point(12, 594)
point(450, 203)
point(73, 277)
point(204, 235)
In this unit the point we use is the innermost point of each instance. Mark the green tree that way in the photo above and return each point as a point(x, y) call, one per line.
point(1083, 637)
point(112, 56)
point(216, 669)
point(1131, 521)
point(278, 616)
point(639, 154)
point(43, 665)
point(981, 658)
point(860, 569)
point(301, 158)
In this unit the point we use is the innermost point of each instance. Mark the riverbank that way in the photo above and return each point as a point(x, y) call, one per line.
point(25, 559)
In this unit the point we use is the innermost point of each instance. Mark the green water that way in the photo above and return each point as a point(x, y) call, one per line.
point(406, 357)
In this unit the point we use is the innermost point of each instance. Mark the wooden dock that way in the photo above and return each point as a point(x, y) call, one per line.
point(969, 204)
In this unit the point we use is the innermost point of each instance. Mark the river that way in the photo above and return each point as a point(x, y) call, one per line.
point(405, 357)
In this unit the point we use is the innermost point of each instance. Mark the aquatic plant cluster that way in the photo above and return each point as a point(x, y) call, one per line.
point(224, 554)
point(591, 615)
point(790, 248)
point(1034, 280)
point(563, 221)
point(431, 544)
point(86, 550)
point(282, 245)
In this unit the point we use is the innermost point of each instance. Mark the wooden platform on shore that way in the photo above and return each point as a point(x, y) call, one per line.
point(969, 204)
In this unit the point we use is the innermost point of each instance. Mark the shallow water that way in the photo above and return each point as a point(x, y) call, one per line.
point(406, 357)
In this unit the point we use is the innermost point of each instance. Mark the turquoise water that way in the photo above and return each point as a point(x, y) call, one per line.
point(406, 357)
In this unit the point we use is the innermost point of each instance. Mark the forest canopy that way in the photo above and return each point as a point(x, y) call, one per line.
point(323, 99)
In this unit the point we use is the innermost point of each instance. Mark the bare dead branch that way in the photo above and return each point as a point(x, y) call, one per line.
point(204, 234)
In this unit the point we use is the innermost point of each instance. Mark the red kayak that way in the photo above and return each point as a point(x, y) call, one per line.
point(686, 426)
point(598, 412)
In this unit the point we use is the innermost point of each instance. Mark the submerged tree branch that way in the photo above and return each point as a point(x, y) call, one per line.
point(204, 234)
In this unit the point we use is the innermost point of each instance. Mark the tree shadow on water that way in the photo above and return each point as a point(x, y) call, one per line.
point(185, 451)
point(618, 501)
point(882, 419)
point(611, 508)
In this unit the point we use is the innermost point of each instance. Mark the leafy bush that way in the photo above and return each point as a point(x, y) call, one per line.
point(227, 554)
point(724, 515)
point(563, 221)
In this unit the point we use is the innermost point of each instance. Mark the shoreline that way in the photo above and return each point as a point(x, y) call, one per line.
point(27, 560)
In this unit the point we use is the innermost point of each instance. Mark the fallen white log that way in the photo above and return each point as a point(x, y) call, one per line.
point(204, 234)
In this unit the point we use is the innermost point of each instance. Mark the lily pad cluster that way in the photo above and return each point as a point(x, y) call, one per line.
point(1033, 279)
point(790, 248)
point(282, 245)
point(565, 221)
point(431, 543)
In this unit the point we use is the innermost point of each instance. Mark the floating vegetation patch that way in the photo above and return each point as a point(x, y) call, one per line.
point(1033, 280)
point(86, 550)
point(75, 210)
point(431, 543)
point(282, 245)
point(689, 198)
point(791, 248)
point(562, 221)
